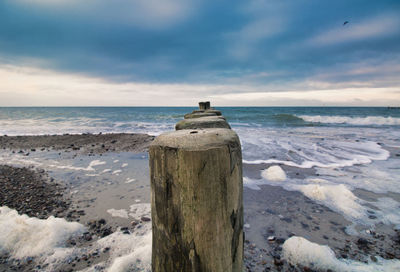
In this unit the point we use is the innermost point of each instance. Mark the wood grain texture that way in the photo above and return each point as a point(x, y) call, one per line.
point(197, 206)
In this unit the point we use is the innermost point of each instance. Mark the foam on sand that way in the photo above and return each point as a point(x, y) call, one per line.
point(118, 213)
point(128, 252)
point(269, 176)
point(129, 180)
point(318, 180)
point(388, 211)
point(95, 163)
point(337, 197)
point(90, 167)
point(125, 256)
point(22, 236)
point(299, 251)
point(252, 183)
point(138, 210)
point(274, 173)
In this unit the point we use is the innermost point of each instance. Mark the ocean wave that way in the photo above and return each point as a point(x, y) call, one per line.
point(358, 121)
point(49, 126)
point(284, 117)
point(308, 148)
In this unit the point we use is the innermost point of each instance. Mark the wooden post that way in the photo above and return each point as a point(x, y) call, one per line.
point(199, 114)
point(203, 122)
point(197, 201)
point(204, 105)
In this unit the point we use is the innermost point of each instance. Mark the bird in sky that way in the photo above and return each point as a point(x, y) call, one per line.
point(346, 22)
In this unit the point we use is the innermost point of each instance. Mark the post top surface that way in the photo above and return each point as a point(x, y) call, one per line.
point(197, 139)
point(205, 119)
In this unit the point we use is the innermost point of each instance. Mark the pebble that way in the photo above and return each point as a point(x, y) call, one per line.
point(145, 219)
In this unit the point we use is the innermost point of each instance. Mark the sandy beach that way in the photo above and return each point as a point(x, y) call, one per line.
point(199, 135)
point(101, 182)
point(40, 191)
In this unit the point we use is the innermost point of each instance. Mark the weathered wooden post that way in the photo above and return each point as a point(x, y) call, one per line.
point(203, 122)
point(196, 201)
point(204, 105)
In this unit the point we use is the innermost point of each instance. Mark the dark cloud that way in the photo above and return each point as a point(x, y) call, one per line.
point(262, 42)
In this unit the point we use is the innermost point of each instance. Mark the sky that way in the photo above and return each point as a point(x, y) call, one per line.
point(179, 52)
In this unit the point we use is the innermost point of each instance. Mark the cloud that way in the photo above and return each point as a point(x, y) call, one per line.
point(265, 21)
point(195, 48)
point(147, 14)
point(373, 28)
point(294, 97)
point(247, 39)
point(29, 86)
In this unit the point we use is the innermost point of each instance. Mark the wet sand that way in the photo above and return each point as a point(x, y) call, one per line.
point(41, 191)
point(272, 214)
point(78, 143)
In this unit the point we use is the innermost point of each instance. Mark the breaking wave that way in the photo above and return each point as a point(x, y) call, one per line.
point(357, 121)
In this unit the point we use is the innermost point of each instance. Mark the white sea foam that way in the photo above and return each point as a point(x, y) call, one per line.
point(379, 177)
point(253, 183)
point(305, 150)
point(129, 180)
point(388, 212)
point(32, 237)
point(274, 173)
point(92, 175)
point(118, 213)
point(116, 172)
point(23, 236)
point(90, 167)
point(317, 180)
point(95, 163)
point(49, 126)
point(106, 170)
point(347, 156)
point(337, 197)
point(358, 121)
point(124, 165)
point(299, 251)
point(138, 210)
point(129, 252)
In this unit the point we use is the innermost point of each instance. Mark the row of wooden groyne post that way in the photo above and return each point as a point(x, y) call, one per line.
point(197, 195)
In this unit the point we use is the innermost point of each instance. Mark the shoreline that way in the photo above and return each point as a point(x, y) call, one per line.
point(78, 143)
point(39, 193)
point(270, 211)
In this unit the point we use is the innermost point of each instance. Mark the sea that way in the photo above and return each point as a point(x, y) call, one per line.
point(342, 149)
